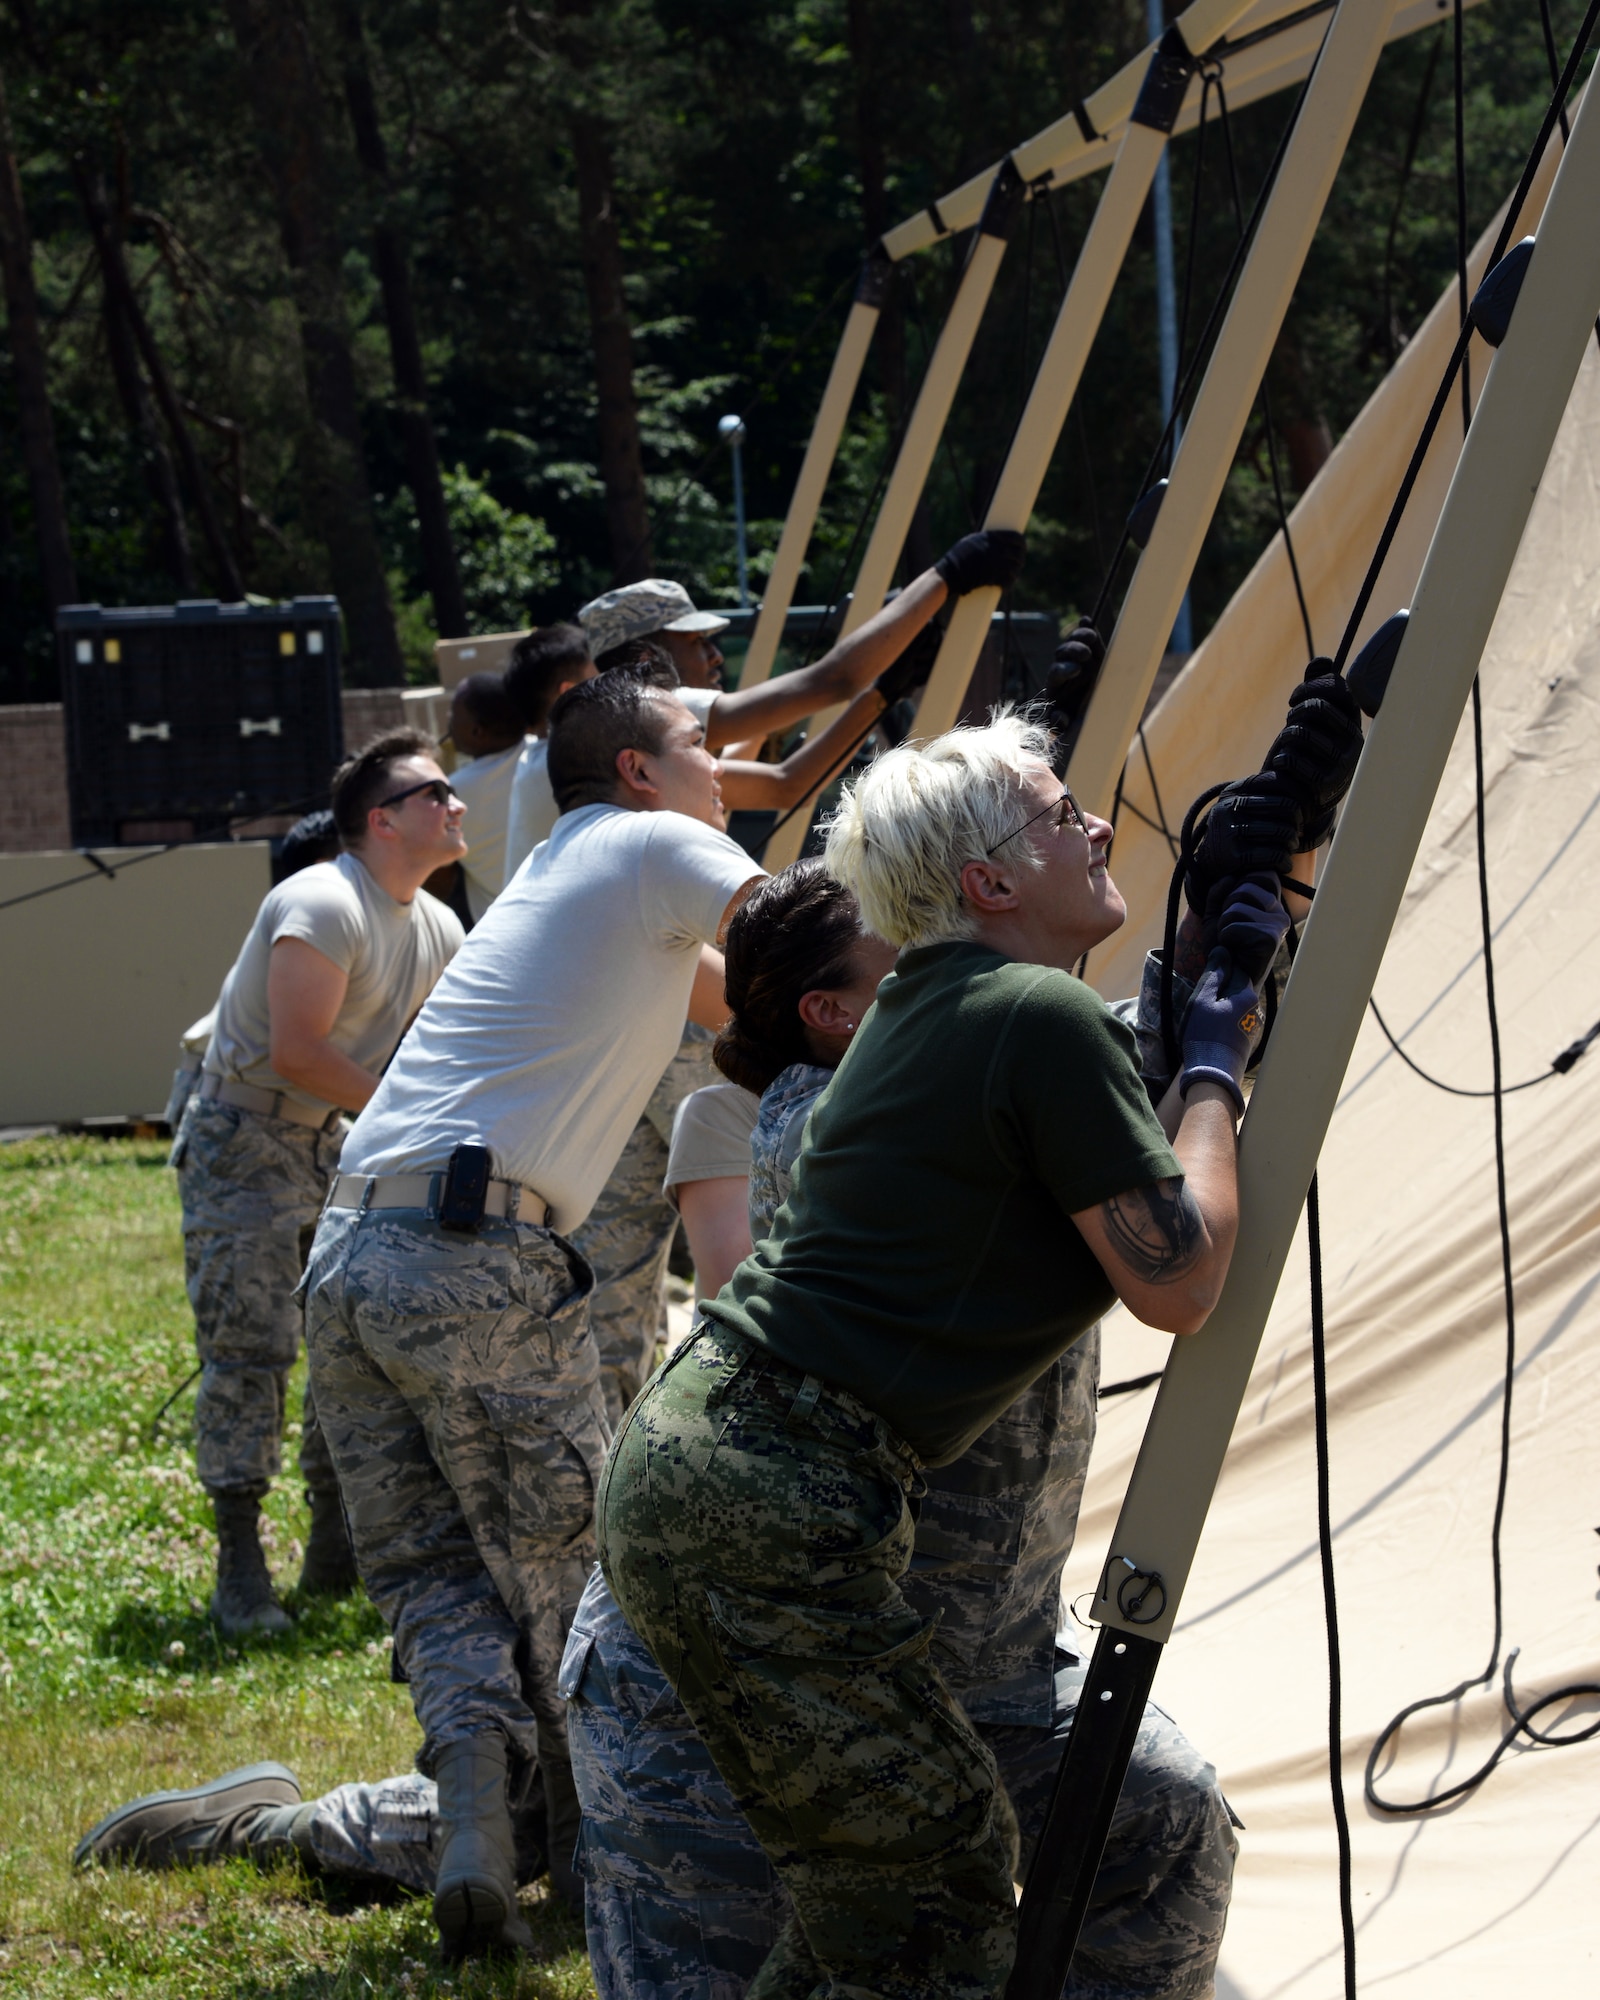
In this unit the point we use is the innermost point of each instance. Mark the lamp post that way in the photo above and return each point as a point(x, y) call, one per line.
point(731, 431)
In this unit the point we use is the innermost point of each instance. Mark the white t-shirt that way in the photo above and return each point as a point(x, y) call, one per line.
point(484, 787)
point(711, 1131)
point(547, 1035)
point(532, 811)
point(390, 952)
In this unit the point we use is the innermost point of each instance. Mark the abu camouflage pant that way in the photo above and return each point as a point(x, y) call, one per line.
point(681, 1903)
point(754, 1525)
point(459, 1392)
point(627, 1236)
point(251, 1189)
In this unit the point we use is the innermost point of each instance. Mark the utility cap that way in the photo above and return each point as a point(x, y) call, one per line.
point(638, 609)
point(1367, 676)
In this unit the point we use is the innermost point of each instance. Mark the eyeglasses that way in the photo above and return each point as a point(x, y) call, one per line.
point(1067, 811)
point(438, 789)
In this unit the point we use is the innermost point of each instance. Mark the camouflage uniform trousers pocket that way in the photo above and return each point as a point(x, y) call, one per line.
point(850, 1729)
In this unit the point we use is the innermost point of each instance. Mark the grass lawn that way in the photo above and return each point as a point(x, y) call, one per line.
point(113, 1680)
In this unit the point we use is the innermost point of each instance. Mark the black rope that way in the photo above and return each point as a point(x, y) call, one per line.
point(155, 1421)
point(1563, 1062)
point(1128, 1388)
point(1521, 1719)
point(1330, 1596)
point(1554, 61)
point(1458, 352)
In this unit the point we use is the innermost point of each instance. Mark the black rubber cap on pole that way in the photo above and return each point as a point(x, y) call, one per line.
point(1142, 514)
point(1166, 82)
point(1496, 298)
point(1007, 192)
point(1367, 676)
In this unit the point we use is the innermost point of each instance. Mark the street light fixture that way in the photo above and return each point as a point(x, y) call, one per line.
point(731, 430)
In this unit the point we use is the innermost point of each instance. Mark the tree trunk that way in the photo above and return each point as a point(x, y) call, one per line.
point(918, 554)
point(33, 387)
point(274, 42)
point(621, 458)
point(439, 564)
point(123, 307)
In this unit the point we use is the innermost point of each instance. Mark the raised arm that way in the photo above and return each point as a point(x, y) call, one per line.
point(765, 787)
point(1166, 1247)
point(990, 557)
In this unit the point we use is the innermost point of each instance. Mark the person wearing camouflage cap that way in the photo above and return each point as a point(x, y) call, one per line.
point(657, 609)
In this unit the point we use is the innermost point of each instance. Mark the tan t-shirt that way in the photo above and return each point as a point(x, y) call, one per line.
point(711, 1136)
point(484, 788)
point(390, 952)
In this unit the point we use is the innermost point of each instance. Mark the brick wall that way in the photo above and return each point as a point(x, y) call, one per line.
point(33, 779)
point(33, 759)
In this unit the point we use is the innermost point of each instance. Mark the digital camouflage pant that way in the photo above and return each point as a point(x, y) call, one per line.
point(459, 1391)
point(628, 1235)
point(682, 1904)
point(251, 1189)
point(754, 1525)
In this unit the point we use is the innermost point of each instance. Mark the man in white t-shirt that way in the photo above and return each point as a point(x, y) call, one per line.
point(486, 731)
point(339, 959)
point(455, 1371)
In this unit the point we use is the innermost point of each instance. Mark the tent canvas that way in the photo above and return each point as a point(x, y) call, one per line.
point(1490, 1891)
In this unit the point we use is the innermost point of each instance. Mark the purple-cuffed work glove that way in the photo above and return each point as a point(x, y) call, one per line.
point(1221, 1028)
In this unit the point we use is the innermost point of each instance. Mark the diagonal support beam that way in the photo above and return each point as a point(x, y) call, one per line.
point(1186, 1440)
point(1228, 394)
point(821, 449)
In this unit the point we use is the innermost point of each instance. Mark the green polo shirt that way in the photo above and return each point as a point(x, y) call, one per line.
point(924, 1259)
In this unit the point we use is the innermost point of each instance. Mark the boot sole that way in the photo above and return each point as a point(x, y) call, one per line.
point(247, 1775)
point(475, 1920)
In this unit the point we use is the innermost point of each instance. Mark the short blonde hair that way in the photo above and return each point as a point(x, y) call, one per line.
point(916, 817)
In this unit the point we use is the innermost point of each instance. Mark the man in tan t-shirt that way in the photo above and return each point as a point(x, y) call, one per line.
point(337, 963)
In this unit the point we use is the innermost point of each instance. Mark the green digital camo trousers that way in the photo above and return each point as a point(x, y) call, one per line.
point(753, 1525)
point(628, 1234)
point(251, 1188)
point(459, 1392)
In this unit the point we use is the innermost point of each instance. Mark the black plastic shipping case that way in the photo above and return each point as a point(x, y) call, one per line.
point(184, 720)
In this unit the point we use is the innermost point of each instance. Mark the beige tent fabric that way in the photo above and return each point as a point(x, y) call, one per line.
point(1223, 710)
point(1497, 1895)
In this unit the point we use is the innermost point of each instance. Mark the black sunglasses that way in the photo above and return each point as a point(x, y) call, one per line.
point(1066, 809)
point(438, 788)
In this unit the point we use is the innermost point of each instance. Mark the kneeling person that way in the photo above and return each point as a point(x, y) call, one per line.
point(982, 1178)
point(451, 1353)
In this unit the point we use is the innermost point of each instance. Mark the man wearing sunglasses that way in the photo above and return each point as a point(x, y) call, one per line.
point(339, 959)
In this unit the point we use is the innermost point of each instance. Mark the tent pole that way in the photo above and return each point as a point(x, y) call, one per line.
point(1227, 395)
point(915, 457)
point(1077, 323)
point(821, 448)
point(1463, 579)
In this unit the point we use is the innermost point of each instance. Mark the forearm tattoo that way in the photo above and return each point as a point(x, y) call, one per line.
point(1158, 1230)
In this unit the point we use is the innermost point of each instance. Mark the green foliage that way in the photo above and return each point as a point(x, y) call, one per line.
point(756, 150)
point(114, 1680)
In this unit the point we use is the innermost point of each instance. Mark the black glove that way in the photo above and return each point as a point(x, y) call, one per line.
point(990, 559)
point(1247, 918)
point(1316, 751)
point(1251, 828)
point(1073, 673)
